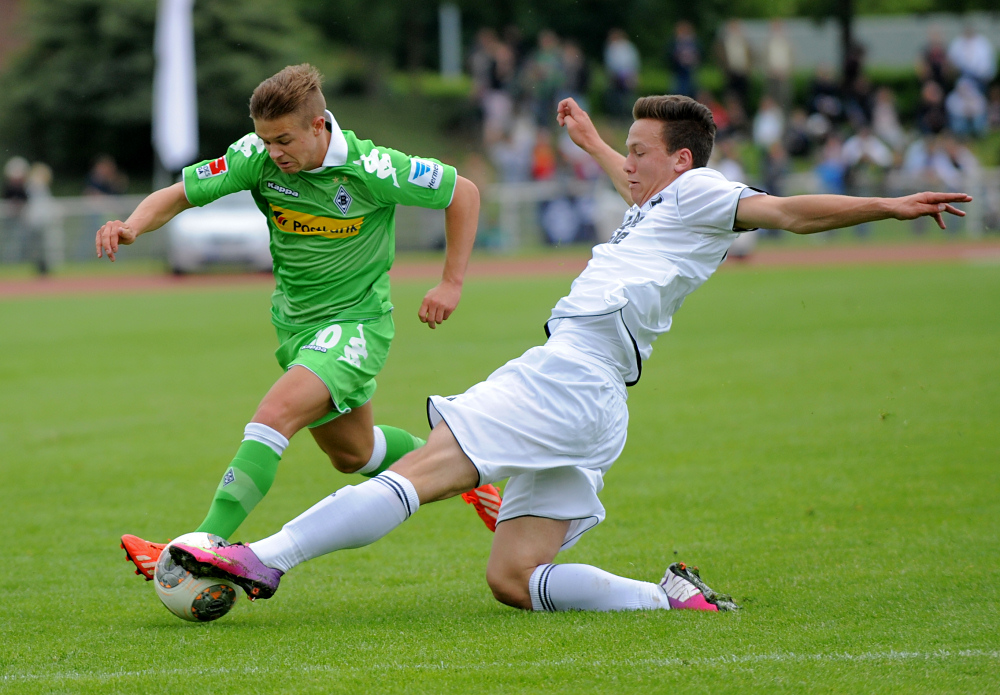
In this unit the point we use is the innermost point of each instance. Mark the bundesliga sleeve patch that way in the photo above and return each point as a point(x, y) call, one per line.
point(425, 174)
point(213, 168)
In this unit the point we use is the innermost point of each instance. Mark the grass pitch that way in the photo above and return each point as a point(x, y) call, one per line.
point(822, 443)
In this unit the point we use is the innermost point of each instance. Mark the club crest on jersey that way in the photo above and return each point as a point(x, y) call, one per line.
point(213, 168)
point(425, 173)
point(343, 200)
point(281, 189)
point(295, 222)
point(229, 477)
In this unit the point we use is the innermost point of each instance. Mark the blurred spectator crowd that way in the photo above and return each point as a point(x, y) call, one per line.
point(30, 218)
point(517, 87)
point(840, 128)
point(838, 131)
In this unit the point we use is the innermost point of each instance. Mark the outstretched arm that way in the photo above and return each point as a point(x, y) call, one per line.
point(582, 131)
point(808, 214)
point(460, 221)
point(153, 212)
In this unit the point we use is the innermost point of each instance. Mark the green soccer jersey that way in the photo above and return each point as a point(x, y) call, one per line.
point(332, 228)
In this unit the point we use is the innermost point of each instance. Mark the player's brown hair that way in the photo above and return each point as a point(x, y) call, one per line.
point(686, 123)
point(296, 89)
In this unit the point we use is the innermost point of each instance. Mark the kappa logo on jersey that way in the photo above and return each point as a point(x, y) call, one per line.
point(343, 200)
point(281, 189)
point(425, 173)
point(213, 168)
point(295, 222)
point(379, 164)
point(247, 144)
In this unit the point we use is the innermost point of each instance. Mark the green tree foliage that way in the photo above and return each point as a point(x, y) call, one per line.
point(84, 83)
point(238, 43)
point(83, 86)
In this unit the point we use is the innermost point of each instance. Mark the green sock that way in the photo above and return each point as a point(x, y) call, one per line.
point(398, 443)
point(244, 484)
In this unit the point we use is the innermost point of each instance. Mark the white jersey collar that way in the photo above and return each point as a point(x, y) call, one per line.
point(336, 153)
point(651, 203)
point(658, 197)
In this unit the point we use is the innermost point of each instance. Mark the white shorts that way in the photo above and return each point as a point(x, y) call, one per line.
point(552, 421)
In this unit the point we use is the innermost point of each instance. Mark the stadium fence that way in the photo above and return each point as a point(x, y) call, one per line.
point(514, 216)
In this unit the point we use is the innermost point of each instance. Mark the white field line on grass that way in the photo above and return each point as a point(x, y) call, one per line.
point(729, 660)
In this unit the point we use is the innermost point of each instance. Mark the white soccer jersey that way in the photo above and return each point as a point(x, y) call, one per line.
point(663, 251)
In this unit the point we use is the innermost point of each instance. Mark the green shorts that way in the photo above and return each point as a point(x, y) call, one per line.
point(346, 355)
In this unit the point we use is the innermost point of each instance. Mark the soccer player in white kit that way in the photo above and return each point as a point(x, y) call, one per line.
point(555, 419)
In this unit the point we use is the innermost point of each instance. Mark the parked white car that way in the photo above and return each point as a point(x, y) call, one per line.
point(230, 231)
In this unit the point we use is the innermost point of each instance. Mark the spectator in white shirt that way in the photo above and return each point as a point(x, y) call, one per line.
point(885, 119)
point(966, 107)
point(973, 56)
point(768, 124)
point(866, 148)
point(622, 63)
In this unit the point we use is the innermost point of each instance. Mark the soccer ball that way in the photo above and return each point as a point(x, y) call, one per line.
point(198, 599)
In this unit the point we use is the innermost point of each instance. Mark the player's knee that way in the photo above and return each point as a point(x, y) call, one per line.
point(347, 461)
point(509, 588)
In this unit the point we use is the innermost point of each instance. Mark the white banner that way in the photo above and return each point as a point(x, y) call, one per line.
point(175, 100)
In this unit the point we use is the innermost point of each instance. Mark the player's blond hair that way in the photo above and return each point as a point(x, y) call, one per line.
point(686, 123)
point(296, 89)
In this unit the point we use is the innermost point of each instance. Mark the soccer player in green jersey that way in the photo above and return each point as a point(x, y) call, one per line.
point(330, 200)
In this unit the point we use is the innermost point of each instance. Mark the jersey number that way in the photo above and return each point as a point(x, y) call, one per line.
point(328, 338)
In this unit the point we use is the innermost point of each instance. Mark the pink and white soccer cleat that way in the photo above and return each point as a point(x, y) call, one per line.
point(237, 563)
point(686, 591)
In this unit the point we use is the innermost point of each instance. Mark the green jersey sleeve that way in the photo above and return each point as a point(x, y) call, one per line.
point(395, 178)
point(237, 170)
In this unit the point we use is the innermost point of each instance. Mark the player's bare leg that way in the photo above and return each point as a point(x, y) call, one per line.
point(519, 547)
point(436, 470)
point(296, 399)
point(440, 469)
point(349, 439)
point(433, 469)
point(354, 445)
point(521, 574)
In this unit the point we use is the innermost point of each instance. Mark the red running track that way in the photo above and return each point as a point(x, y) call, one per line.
point(958, 251)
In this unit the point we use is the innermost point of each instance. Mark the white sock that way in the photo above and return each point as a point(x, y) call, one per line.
point(349, 518)
point(587, 588)
point(267, 436)
point(378, 453)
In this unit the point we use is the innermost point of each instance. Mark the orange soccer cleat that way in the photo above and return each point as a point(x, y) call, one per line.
point(143, 554)
point(486, 499)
